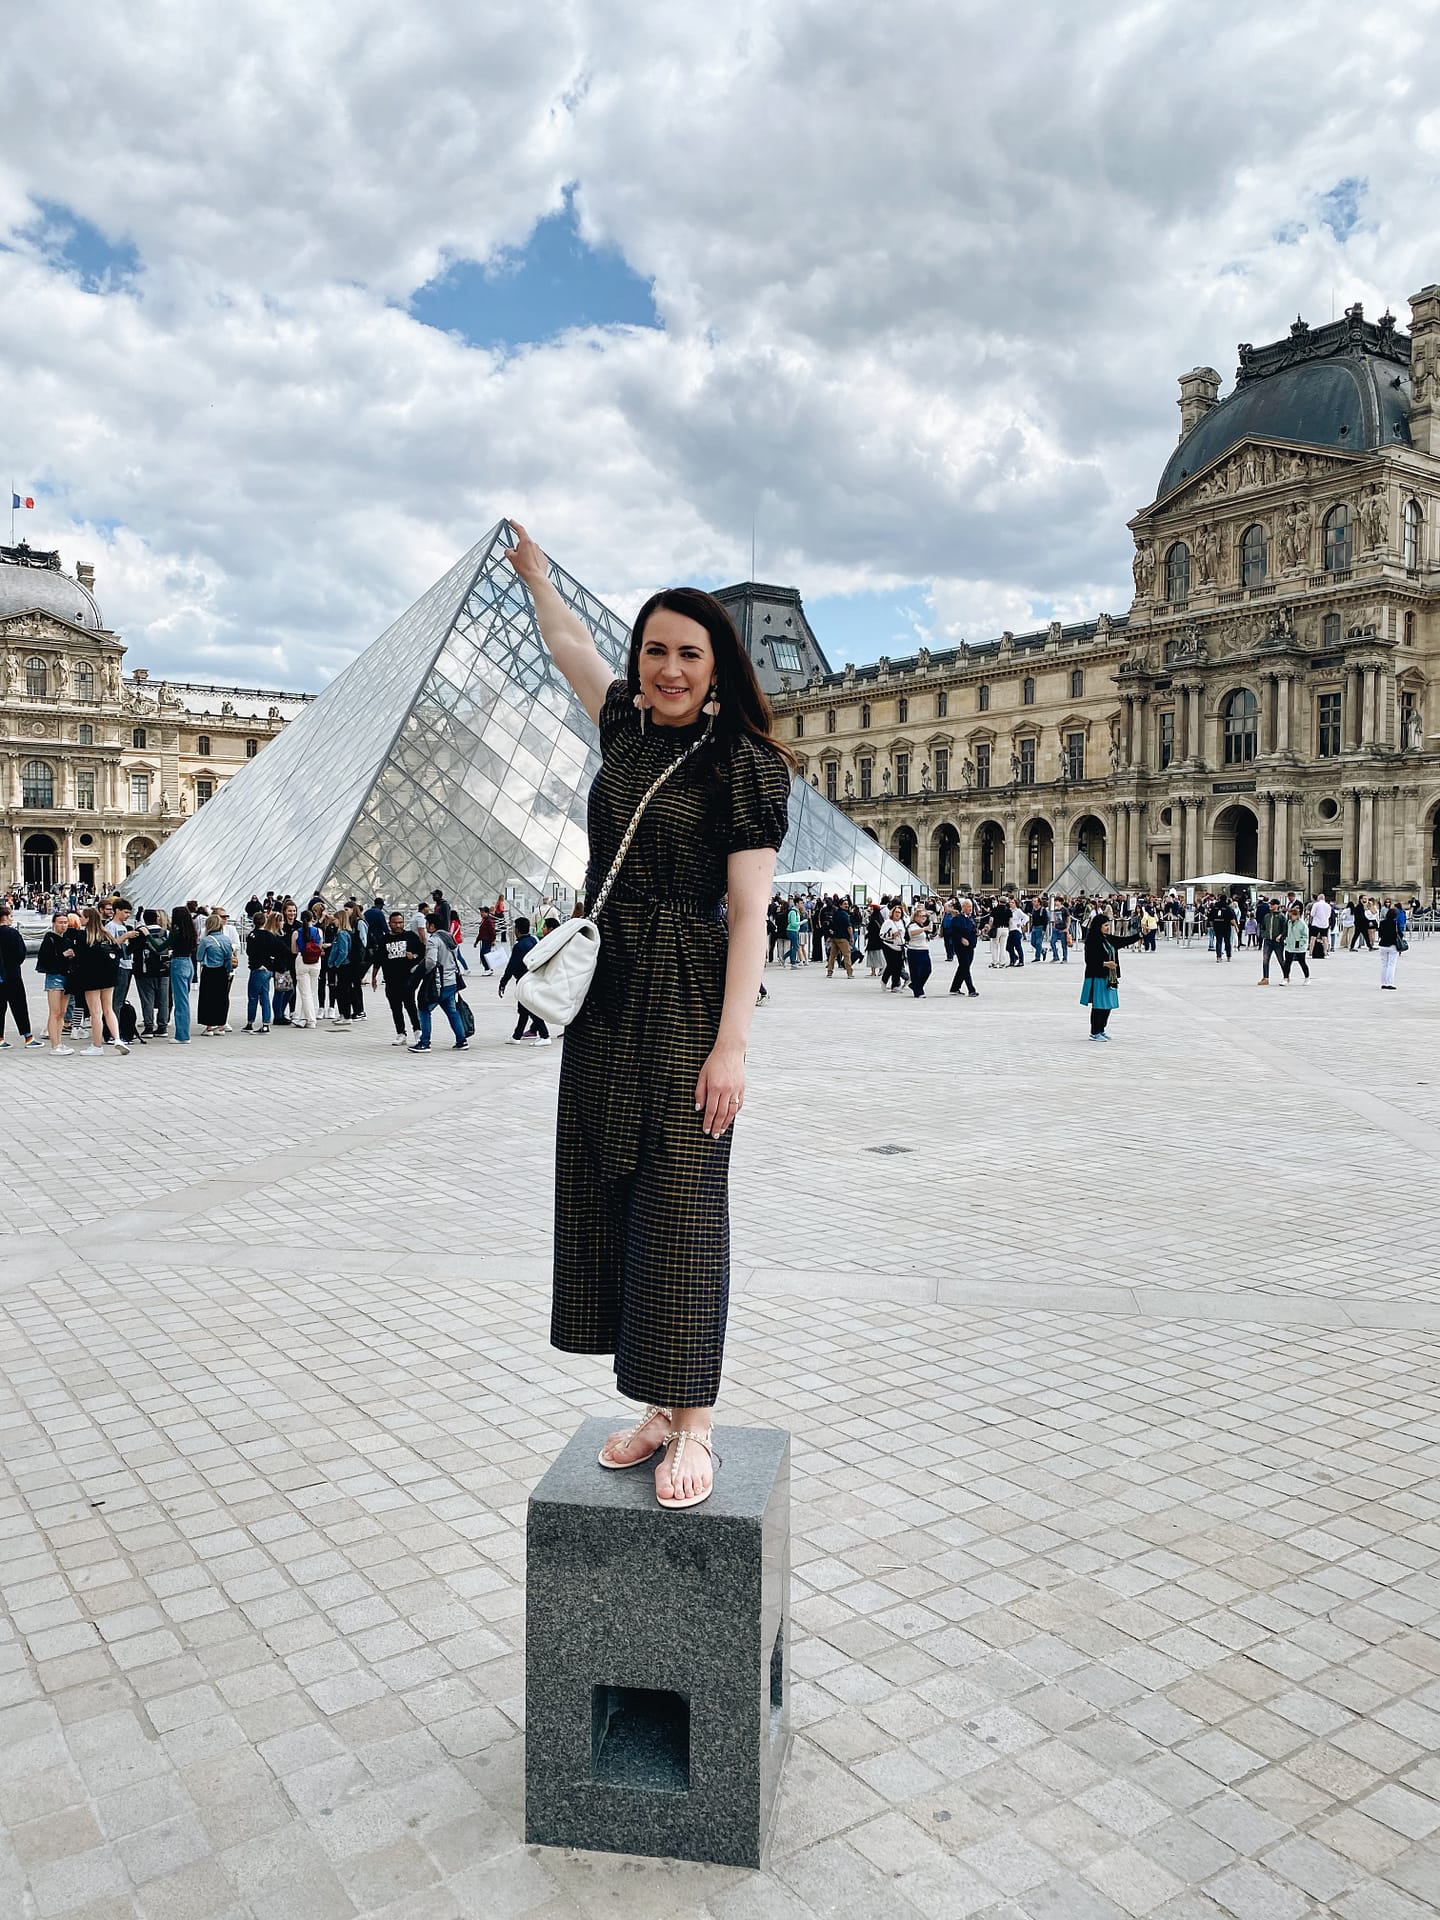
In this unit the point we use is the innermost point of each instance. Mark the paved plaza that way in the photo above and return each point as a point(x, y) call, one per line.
point(1114, 1379)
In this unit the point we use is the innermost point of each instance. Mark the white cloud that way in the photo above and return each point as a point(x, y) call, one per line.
point(928, 274)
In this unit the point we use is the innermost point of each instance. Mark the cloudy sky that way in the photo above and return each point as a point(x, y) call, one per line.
point(296, 302)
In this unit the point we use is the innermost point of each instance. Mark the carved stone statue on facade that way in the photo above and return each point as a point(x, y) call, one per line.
point(1373, 517)
point(1424, 360)
point(967, 773)
point(1288, 545)
point(227, 709)
point(165, 806)
point(1014, 769)
point(60, 677)
point(925, 776)
point(885, 782)
point(112, 678)
point(1052, 634)
point(1304, 520)
point(12, 673)
point(1207, 553)
point(849, 784)
point(1114, 752)
point(1412, 733)
point(1143, 567)
point(273, 714)
point(1104, 626)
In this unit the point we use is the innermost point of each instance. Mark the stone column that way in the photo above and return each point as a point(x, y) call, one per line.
point(1365, 854)
point(1269, 724)
point(69, 873)
point(1265, 853)
point(1182, 722)
point(1137, 843)
point(1280, 851)
point(1178, 869)
point(18, 855)
point(1350, 710)
point(1367, 707)
point(1285, 684)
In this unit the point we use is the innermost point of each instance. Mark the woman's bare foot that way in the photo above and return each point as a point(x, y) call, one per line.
point(629, 1445)
point(696, 1474)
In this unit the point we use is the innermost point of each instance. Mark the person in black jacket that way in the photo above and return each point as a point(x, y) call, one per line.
point(53, 963)
point(964, 933)
point(1101, 991)
point(12, 986)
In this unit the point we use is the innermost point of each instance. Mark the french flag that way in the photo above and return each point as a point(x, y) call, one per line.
point(20, 500)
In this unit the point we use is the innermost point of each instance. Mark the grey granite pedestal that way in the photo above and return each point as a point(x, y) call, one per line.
point(657, 1673)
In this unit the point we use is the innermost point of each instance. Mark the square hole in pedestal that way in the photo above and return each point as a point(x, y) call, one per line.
point(777, 1681)
point(640, 1738)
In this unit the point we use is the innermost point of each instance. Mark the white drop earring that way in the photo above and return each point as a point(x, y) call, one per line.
point(642, 709)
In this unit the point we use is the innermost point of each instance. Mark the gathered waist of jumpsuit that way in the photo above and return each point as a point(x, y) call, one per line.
point(680, 906)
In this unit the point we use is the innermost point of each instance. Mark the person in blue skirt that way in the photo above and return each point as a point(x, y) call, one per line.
point(1101, 991)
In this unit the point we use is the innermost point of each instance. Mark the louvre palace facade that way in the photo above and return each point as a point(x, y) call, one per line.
point(98, 766)
point(1266, 706)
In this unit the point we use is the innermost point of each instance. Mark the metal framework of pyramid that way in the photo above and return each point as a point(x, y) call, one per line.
point(449, 753)
point(1080, 875)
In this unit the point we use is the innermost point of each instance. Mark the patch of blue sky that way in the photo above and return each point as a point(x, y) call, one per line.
point(859, 627)
point(551, 284)
point(79, 248)
point(1339, 207)
point(1291, 234)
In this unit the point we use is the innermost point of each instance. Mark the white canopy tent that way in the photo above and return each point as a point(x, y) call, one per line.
point(1226, 880)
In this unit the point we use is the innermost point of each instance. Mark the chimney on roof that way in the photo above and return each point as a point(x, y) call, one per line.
point(85, 574)
point(1199, 391)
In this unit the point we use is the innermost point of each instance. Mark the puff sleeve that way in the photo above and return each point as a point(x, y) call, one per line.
point(759, 797)
point(617, 712)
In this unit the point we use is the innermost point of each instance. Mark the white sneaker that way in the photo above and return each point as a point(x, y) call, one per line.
point(515, 1041)
point(98, 1051)
point(541, 1040)
point(399, 1041)
point(60, 1052)
point(122, 1046)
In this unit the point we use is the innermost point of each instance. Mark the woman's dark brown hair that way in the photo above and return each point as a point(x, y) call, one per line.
point(743, 707)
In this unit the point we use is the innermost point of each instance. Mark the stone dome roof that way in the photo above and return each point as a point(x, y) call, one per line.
point(1344, 386)
point(24, 587)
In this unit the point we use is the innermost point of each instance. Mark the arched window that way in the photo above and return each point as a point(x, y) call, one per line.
point(1411, 522)
point(1241, 727)
point(137, 737)
point(1177, 573)
point(37, 678)
point(902, 709)
point(1254, 556)
point(86, 734)
point(85, 682)
point(1409, 630)
point(829, 728)
point(799, 733)
point(982, 699)
point(1339, 540)
point(1077, 683)
point(942, 705)
point(37, 784)
point(1027, 691)
point(202, 745)
point(865, 713)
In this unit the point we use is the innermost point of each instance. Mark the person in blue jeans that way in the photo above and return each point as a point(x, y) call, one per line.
point(183, 942)
point(441, 961)
point(1059, 933)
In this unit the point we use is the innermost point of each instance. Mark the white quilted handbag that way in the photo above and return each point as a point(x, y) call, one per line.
point(559, 968)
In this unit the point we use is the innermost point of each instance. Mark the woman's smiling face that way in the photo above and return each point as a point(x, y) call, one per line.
point(677, 666)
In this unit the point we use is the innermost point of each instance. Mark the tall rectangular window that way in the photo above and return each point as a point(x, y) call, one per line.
point(1075, 755)
point(1327, 707)
point(204, 790)
point(139, 793)
point(942, 768)
point(867, 777)
point(1167, 736)
point(982, 764)
point(831, 772)
point(942, 705)
point(1027, 763)
point(85, 788)
point(902, 774)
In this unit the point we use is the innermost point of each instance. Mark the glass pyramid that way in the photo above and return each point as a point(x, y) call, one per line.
point(450, 753)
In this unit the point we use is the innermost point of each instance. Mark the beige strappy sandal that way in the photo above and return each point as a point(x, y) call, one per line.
point(680, 1435)
point(620, 1466)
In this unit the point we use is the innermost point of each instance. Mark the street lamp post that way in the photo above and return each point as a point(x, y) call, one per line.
point(1307, 860)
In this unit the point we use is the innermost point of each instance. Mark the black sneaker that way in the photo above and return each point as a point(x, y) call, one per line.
point(420, 1046)
point(460, 1046)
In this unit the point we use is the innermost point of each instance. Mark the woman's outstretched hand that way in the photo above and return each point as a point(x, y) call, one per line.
point(526, 558)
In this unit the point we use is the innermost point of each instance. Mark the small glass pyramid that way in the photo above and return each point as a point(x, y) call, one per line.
point(450, 753)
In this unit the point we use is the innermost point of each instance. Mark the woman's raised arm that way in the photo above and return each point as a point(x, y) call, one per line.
point(571, 646)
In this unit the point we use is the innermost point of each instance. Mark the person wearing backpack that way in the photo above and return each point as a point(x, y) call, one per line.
point(528, 1026)
point(152, 976)
point(440, 986)
point(402, 961)
point(309, 951)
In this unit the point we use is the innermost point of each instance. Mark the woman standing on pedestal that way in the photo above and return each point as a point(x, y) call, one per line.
point(653, 1072)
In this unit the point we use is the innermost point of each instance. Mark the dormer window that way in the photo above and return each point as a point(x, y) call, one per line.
point(786, 656)
point(1177, 573)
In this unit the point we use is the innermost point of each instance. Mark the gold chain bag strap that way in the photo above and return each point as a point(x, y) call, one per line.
point(559, 968)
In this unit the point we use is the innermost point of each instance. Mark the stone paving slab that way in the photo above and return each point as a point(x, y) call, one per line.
point(1116, 1404)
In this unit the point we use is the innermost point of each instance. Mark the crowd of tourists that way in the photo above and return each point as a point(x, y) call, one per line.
point(114, 977)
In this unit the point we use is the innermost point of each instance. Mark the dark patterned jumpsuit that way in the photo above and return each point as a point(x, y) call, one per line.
point(642, 1225)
